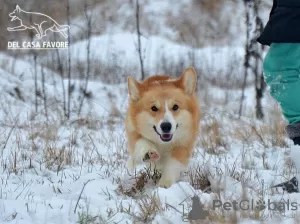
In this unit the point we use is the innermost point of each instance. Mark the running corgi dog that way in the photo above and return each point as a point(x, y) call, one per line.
point(162, 123)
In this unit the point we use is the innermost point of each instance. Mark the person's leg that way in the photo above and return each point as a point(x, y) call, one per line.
point(282, 73)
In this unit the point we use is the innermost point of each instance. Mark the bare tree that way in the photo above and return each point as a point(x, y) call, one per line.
point(34, 53)
point(61, 72)
point(35, 82)
point(257, 54)
point(137, 15)
point(88, 17)
point(253, 55)
point(247, 55)
point(44, 94)
point(69, 63)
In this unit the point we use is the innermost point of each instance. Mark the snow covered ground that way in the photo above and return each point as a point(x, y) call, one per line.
point(54, 170)
point(154, 47)
point(75, 171)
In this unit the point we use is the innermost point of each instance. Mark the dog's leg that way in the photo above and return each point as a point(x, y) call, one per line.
point(17, 28)
point(171, 173)
point(42, 32)
point(36, 28)
point(144, 151)
point(39, 31)
point(42, 29)
point(62, 31)
point(173, 167)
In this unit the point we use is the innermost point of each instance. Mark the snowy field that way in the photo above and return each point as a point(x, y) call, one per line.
point(54, 170)
point(75, 171)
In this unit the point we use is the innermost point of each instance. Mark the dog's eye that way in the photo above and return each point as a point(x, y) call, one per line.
point(154, 108)
point(175, 107)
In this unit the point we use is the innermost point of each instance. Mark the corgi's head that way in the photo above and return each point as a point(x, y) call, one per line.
point(14, 14)
point(163, 109)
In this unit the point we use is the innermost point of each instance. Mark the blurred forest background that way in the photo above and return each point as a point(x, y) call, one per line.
point(217, 37)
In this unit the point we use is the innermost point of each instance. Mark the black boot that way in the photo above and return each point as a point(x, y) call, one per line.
point(296, 140)
point(290, 186)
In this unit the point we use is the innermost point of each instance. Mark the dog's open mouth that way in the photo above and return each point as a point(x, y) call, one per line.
point(165, 137)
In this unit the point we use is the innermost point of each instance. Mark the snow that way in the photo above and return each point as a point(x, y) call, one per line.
point(37, 188)
point(71, 171)
point(37, 191)
point(125, 44)
point(295, 154)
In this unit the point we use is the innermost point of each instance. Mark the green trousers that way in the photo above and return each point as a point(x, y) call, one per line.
point(282, 73)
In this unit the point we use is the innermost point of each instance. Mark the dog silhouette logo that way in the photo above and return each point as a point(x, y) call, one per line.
point(41, 23)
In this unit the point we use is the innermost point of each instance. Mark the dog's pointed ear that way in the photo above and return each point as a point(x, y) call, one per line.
point(133, 89)
point(18, 8)
point(189, 80)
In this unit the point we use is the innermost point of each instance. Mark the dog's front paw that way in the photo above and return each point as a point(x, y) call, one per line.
point(151, 156)
point(165, 182)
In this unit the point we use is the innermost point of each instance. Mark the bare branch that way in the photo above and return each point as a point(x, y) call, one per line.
point(79, 197)
point(139, 38)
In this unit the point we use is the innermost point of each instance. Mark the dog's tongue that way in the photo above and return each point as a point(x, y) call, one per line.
point(166, 136)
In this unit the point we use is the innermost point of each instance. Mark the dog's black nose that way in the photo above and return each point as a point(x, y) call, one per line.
point(166, 127)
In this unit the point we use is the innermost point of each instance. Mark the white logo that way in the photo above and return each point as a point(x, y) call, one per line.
point(41, 23)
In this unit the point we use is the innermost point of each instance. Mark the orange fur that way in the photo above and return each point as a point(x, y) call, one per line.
point(163, 92)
